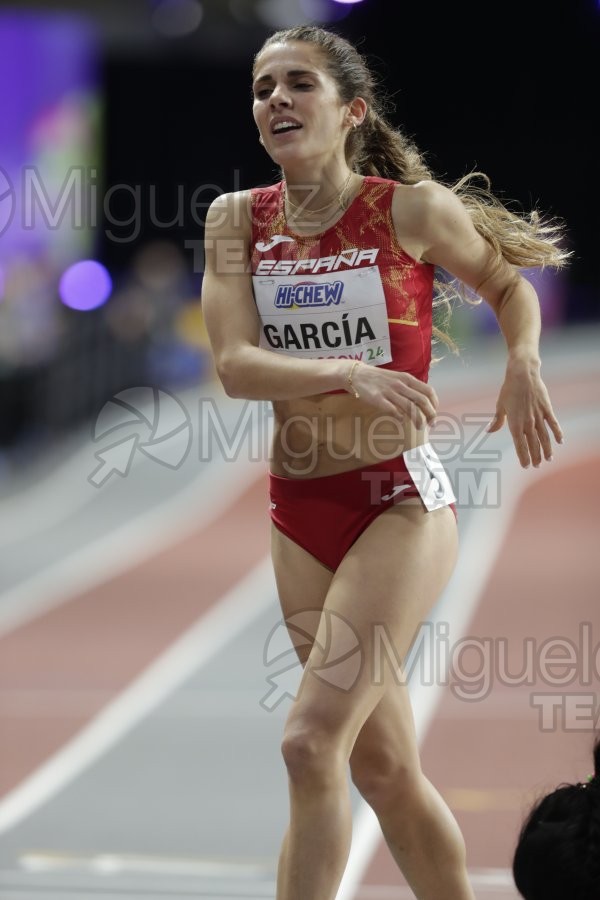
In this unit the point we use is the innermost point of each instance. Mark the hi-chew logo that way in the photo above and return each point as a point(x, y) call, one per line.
point(308, 293)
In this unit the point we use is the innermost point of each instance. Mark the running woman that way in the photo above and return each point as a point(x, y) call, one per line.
point(317, 296)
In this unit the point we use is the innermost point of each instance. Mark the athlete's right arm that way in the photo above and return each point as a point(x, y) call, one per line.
point(245, 369)
point(253, 373)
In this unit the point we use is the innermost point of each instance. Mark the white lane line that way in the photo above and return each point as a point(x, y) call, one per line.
point(220, 625)
point(200, 502)
point(498, 882)
point(119, 864)
point(64, 489)
point(482, 542)
point(48, 704)
point(15, 888)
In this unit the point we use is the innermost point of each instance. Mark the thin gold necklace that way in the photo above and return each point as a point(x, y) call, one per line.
point(338, 200)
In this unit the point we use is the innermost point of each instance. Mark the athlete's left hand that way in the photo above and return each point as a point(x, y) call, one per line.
point(524, 401)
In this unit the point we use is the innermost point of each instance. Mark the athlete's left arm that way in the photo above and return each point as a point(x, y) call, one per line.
point(450, 240)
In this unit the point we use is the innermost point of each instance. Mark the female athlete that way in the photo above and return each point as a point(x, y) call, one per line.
point(317, 296)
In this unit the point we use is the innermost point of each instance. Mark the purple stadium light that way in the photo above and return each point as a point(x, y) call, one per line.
point(347, 2)
point(85, 285)
point(325, 10)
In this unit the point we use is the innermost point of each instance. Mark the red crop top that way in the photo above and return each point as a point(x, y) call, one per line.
point(350, 292)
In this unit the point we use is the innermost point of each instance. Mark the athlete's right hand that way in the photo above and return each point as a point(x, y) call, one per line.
point(397, 394)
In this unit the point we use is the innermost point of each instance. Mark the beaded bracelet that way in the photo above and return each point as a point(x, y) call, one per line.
point(351, 388)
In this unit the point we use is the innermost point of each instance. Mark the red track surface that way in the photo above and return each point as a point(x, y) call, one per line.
point(99, 641)
point(488, 757)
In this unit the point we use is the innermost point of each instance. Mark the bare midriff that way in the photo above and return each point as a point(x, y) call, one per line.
point(331, 433)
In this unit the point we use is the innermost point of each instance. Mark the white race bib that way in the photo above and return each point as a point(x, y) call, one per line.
point(429, 477)
point(338, 315)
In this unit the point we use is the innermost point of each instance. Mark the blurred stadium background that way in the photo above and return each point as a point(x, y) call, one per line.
point(122, 121)
point(137, 758)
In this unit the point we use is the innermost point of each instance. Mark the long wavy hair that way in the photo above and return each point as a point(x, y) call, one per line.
point(378, 148)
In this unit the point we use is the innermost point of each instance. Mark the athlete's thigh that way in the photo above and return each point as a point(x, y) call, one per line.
point(389, 731)
point(394, 573)
point(383, 589)
point(302, 584)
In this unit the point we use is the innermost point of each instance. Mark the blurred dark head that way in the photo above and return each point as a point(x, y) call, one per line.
point(558, 853)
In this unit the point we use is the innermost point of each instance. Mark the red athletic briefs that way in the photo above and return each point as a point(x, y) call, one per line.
point(326, 515)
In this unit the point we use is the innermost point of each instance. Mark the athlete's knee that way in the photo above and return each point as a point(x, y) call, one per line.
point(384, 778)
point(312, 752)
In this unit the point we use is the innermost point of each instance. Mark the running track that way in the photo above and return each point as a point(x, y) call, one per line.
point(136, 758)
